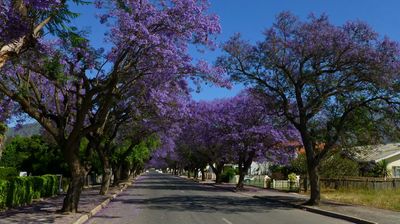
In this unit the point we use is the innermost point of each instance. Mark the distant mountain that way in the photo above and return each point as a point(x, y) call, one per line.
point(24, 130)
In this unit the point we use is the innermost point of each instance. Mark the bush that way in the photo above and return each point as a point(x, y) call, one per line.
point(21, 190)
point(38, 183)
point(4, 187)
point(228, 174)
point(292, 177)
point(8, 172)
point(50, 185)
point(16, 193)
point(334, 165)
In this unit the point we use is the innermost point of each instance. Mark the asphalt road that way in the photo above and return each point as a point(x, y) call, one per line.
point(165, 199)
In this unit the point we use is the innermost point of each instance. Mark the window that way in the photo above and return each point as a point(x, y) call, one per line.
point(396, 171)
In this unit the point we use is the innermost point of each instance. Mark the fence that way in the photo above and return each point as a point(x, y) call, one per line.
point(369, 183)
point(258, 181)
point(360, 183)
point(285, 185)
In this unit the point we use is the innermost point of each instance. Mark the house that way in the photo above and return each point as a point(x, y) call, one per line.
point(377, 153)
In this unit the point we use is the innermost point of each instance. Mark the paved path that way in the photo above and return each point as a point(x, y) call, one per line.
point(45, 211)
point(165, 199)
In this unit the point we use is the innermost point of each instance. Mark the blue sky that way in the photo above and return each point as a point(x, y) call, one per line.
point(251, 17)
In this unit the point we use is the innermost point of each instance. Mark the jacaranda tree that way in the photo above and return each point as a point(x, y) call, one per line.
point(236, 130)
point(319, 75)
point(63, 83)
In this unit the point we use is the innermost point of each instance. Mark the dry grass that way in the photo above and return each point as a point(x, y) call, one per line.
point(386, 199)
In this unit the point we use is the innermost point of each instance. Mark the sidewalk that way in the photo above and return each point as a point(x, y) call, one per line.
point(45, 211)
point(374, 215)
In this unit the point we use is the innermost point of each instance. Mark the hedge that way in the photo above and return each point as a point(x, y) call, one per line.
point(8, 172)
point(4, 187)
point(21, 190)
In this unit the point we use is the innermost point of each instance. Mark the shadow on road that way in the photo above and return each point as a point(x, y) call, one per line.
point(194, 197)
point(212, 203)
point(155, 182)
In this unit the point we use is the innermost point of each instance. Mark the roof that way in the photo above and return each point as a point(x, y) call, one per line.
point(378, 152)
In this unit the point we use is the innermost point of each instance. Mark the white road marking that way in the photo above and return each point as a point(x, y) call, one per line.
point(227, 221)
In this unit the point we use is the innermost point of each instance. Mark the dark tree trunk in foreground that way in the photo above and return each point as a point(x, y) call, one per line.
point(78, 172)
point(315, 191)
point(314, 157)
point(203, 175)
point(240, 184)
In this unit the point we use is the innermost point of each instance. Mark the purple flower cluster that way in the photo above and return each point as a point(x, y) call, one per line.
point(228, 130)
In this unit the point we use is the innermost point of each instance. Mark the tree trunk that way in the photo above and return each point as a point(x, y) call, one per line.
point(125, 171)
point(105, 182)
point(244, 165)
point(3, 130)
point(78, 173)
point(203, 175)
point(2, 140)
point(188, 173)
point(217, 171)
point(86, 180)
point(314, 185)
point(133, 173)
point(312, 164)
point(180, 171)
point(135, 170)
point(196, 173)
point(117, 175)
point(240, 185)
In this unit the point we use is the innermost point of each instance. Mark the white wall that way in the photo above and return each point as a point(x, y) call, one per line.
point(393, 161)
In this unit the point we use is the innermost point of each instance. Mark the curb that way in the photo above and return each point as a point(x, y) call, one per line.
point(321, 211)
point(306, 208)
point(92, 212)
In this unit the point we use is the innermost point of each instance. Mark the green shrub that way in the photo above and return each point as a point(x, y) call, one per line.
point(37, 186)
point(292, 177)
point(16, 194)
point(21, 190)
point(50, 186)
point(8, 172)
point(4, 188)
point(28, 183)
point(228, 174)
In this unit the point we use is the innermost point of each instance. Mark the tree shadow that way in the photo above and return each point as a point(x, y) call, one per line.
point(206, 204)
point(155, 183)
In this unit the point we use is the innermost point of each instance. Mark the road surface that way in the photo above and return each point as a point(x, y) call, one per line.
point(165, 199)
